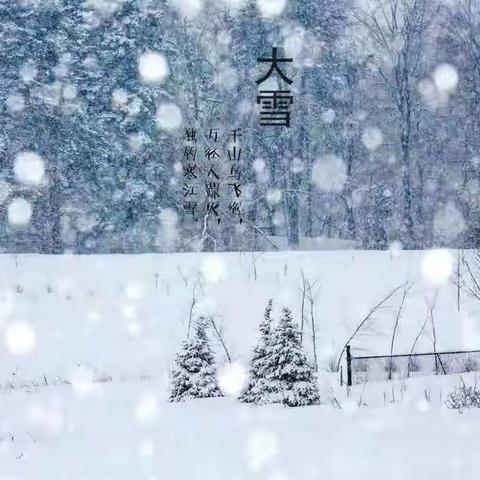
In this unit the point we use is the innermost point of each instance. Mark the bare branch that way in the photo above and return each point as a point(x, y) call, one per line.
point(219, 335)
point(368, 317)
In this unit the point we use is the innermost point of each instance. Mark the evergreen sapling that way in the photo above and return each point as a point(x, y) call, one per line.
point(291, 379)
point(258, 389)
point(194, 372)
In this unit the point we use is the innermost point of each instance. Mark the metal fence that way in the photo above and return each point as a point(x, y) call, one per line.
point(361, 369)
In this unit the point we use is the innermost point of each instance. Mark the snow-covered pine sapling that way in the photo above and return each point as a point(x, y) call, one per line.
point(194, 374)
point(258, 389)
point(291, 378)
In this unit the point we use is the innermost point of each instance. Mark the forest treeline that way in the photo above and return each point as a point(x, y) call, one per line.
point(382, 147)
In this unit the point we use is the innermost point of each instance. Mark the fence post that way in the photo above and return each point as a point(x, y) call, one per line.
point(349, 367)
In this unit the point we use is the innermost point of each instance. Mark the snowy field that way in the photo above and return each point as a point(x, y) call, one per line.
point(88, 341)
point(125, 430)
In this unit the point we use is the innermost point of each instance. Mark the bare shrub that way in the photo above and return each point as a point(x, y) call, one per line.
point(331, 364)
point(469, 364)
point(413, 365)
point(360, 366)
point(464, 397)
point(390, 366)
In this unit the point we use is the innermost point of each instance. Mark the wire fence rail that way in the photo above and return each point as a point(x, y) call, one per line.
point(362, 369)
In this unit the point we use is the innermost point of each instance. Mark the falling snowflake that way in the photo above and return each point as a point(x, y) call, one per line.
point(271, 8)
point(278, 218)
point(273, 196)
point(119, 97)
point(297, 165)
point(372, 138)
point(261, 449)
point(135, 106)
point(90, 62)
point(294, 43)
point(19, 212)
point(445, 77)
point(259, 165)
point(35, 413)
point(20, 338)
point(232, 379)
point(129, 311)
point(448, 222)
point(227, 78)
point(105, 7)
point(70, 91)
point(82, 379)
point(278, 475)
point(213, 269)
point(223, 37)
point(147, 407)
point(169, 229)
point(28, 72)
point(234, 6)
point(146, 448)
point(328, 116)
point(153, 68)
point(396, 248)
point(136, 141)
point(15, 103)
point(29, 168)
point(329, 173)
point(187, 8)
point(134, 291)
point(428, 91)
point(437, 266)
point(169, 116)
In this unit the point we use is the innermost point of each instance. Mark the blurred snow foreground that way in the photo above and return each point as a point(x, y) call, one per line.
point(124, 432)
point(89, 342)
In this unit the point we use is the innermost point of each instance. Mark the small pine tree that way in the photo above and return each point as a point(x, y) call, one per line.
point(289, 375)
point(194, 373)
point(257, 389)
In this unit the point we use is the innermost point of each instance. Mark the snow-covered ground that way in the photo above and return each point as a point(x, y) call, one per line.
point(126, 430)
point(121, 318)
point(125, 316)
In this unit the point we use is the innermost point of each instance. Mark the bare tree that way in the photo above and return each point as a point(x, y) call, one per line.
point(255, 256)
point(311, 297)
point(219, 334)
point(458, 278)
point(406, 289)
point(419, 334)
point(309, 294)
point(431, 305)
point(195, 289)
point(190, 312)
point(302, 310)
point(463, 26)
point(397, 30)
point(431, 308)
point(471, 283)
point(368, 317)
